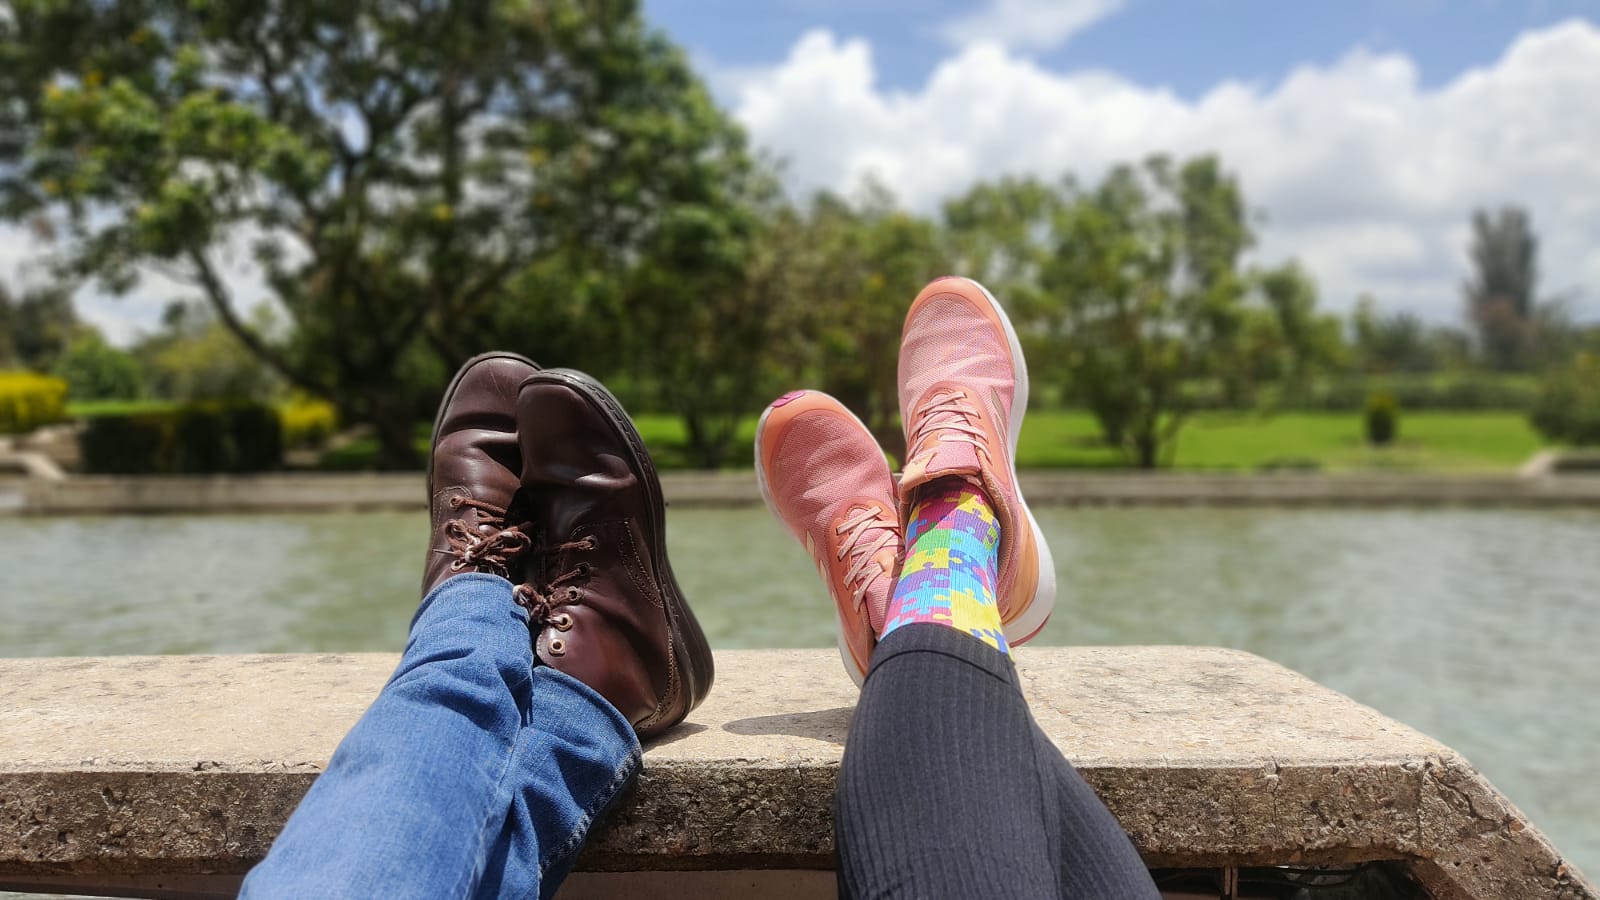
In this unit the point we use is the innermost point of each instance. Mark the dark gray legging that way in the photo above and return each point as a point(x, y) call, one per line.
point(949, 788)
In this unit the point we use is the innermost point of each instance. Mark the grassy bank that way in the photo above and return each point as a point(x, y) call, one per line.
point(1065, 439)
point(1430, 441)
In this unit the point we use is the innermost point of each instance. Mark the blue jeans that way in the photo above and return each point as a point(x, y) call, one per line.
point(474, 773)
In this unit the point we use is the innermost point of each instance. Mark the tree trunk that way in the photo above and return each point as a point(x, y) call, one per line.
point(394, 429)
point(708, 446)
point(1147, 450)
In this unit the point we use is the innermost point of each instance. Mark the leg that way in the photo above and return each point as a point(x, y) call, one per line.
point(949, 789)
point(415, 801)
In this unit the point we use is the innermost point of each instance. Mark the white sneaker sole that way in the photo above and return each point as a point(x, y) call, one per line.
point(1036, 613)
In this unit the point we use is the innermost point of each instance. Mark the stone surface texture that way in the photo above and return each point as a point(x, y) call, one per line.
point(141, 769)
point(98, 495)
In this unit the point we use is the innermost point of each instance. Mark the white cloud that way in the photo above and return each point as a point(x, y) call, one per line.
point(1361, 171)
point(1027, 24)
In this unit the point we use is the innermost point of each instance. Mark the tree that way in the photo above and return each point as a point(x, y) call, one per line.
point(997, 234)
point(1501, 291)
point(700, 307)
point(1148, 296)
point(195, 358)
point(36, 327)
point(1389, 342)
point(95, 370)
point(1567, 408)
point(859, 264)
point(391, 168)
point(1301, 341)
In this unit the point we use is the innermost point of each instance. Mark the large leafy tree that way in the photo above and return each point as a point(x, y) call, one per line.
point(1301, 341)
point(862, 263)
point(701, 307)
point(1147, 296)
point(393, 169)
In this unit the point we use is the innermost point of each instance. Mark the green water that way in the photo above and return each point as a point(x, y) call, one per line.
point(1478, 627)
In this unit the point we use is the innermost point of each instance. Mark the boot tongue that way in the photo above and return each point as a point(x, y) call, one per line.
point(941, 459)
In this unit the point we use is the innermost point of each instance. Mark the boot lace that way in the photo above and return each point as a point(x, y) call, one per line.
point(491, 544)
point(543, 600)
point(866, 533)
point(946, 417)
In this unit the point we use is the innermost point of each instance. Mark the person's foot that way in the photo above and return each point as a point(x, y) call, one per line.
point(963, 392)
point(603, 604)
point(825, 478)
point(474, 471)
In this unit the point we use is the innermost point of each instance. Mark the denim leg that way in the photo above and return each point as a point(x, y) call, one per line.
point(415, 801)
point(574, 760)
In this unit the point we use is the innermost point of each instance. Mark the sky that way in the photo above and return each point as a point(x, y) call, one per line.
point(1364, 132)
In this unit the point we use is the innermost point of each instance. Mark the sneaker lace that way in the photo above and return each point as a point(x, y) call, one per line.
point(866, 533)
point(491, 544)
point(946, 417)
point(542, 600)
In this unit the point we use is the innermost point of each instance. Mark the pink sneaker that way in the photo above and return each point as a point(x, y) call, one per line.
point(963, 392)
point(825, 478)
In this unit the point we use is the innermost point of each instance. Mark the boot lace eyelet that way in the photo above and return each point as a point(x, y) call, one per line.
point(558, 647)
point(561, 622)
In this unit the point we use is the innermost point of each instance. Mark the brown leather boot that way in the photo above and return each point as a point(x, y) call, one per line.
point(604, 606)
point(474, 471)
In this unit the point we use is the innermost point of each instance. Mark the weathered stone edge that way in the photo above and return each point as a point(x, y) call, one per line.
point(1462, 839)
point(1475, 843)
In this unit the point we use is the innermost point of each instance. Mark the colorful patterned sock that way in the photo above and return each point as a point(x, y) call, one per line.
point(951, 564)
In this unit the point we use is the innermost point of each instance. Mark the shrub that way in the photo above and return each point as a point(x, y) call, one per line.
point(1567, 409)
point(255, 436)
point(28, 400)
point(1413, 391)
point(130, 444)
point(1382, 417)
point(198, 439)
point(307, 423)
point(98, 371)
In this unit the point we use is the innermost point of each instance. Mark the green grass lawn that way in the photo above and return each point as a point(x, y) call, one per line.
point(1061, 439)
point(88, 409)
point(1428, 442)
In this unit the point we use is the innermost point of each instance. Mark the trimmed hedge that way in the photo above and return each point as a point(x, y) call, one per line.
point(29, 400)
point(190, 440)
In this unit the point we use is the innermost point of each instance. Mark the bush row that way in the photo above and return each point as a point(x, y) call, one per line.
point(1345, 393)
point(1568, 407)
point(195, 439)
point(28, 400)
point(307, 423)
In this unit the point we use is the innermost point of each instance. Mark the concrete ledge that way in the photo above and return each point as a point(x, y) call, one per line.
point(98, 495)
point(181, 770)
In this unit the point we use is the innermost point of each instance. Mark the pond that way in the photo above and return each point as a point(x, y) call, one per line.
point(1477, 627)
